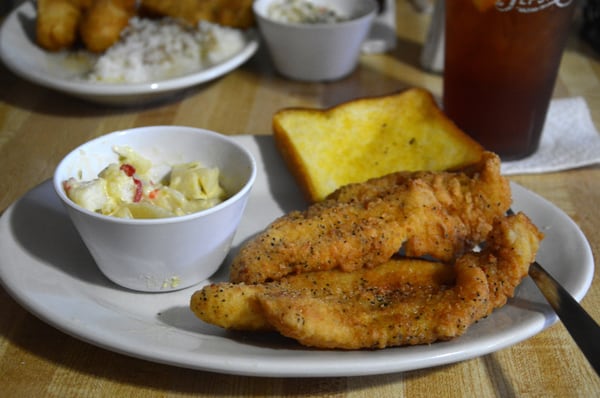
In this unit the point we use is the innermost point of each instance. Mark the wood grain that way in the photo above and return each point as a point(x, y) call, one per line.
point(39, 126)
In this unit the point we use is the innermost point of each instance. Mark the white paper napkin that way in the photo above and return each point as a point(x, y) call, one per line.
point(569, 140)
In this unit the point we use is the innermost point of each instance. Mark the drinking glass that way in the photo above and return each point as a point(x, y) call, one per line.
point(501, 62)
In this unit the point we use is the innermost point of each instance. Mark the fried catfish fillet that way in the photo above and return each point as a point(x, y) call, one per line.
point(401, 302)
point(441, 214)
point(378, 319)
point(238, 306)
point(231, 306)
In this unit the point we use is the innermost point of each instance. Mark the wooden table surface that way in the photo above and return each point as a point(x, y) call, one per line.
point(39, 126)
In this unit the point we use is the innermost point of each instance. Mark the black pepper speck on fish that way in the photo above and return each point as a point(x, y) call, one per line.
point(440, 214)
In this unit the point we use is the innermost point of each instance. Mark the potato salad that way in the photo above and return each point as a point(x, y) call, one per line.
point(125, 189)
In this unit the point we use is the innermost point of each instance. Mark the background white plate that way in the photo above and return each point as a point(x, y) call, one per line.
point(25, 58)
point(46, 268)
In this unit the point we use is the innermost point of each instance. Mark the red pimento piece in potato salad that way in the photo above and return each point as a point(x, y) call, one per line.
point(128, 169)
point(137, 196)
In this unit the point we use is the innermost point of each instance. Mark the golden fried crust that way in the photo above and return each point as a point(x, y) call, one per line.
point(235, 13)
point(104, 21)
point(56, 24)
point(379, 318)
point(232, 13)
point(401, 302)
point(237, 306)
point(190, 11)
point(99, 23)
point(515, 242)
point(438, 214)
point(83, 4)
point(230, 306)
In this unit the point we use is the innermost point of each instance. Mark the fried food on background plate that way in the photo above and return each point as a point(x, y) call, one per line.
point(401, 302)
point(103, 22)
point(440, 214)
point(57, 23)
point(84, 4)
point(99, 23)
point(232, 13)
point(368, 138)
point(190, 11)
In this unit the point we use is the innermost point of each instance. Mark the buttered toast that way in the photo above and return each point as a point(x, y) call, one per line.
point(367, 138)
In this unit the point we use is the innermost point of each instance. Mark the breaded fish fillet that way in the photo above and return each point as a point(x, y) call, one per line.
point(231, 306)
point(401, 302)
point(378, 319)
point(428, 213)
point(237, 306)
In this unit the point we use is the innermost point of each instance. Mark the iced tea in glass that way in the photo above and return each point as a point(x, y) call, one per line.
point(501, 62)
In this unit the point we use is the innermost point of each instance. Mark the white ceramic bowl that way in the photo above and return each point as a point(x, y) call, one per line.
point(317, 52)
point(168, 253)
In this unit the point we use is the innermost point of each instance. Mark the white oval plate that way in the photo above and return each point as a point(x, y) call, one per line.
point(47, 269)
point(26, 59)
